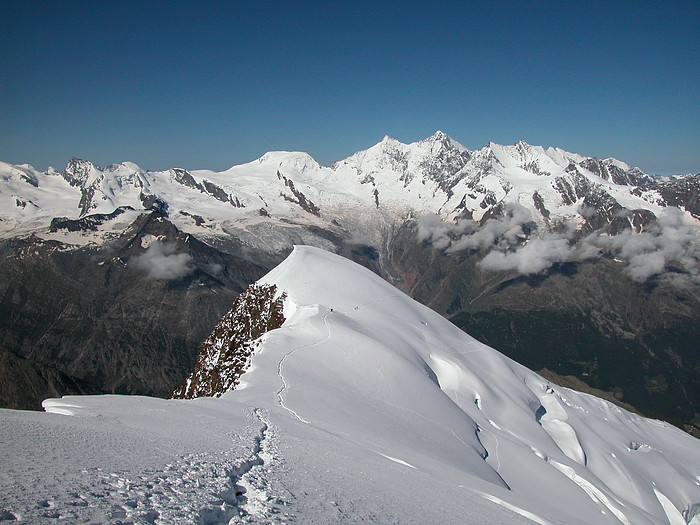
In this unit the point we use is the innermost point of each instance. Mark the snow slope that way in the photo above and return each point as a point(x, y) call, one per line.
point(363, 407)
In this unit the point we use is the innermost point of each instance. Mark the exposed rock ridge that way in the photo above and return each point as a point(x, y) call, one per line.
point(87, 222)
point(224, 356)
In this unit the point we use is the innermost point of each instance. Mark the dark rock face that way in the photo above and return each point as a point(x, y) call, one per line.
point(87, 223)
point(683, 192)
point(114, 326)
point(445, 166)
point(299, 198)
point(225, 355)
point(607, 170)
point(185, 178)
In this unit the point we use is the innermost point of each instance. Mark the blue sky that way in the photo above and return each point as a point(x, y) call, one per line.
point(213, 84)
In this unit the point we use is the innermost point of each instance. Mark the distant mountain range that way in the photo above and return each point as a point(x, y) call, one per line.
point(436, 175)
point(112, 277)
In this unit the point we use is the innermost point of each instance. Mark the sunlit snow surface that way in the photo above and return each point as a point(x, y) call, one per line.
point(386, 182)
point(364, 407)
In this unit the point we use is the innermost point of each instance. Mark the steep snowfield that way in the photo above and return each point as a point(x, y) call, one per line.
point(363, 407)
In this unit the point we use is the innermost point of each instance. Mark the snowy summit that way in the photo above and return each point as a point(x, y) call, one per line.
point(364, 406)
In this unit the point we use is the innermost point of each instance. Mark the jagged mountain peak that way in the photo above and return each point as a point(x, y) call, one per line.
point(76, 163)
point(519, 150)
point(433, 175)
point(429, 145)
point(441, 140)
point(439, 135)
point(80, 172)
point(83, 173)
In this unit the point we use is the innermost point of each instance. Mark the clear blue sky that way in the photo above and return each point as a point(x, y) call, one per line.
point(212, 84)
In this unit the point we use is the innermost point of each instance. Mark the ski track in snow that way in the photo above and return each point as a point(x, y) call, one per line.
point(280, 365)
point(495, 449)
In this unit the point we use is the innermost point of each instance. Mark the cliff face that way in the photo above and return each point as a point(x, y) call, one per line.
point(225, 354)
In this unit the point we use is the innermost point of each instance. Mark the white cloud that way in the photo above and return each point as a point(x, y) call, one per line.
point(534, 257)
point(466, 234)
point(670, 242)
point(433, 229)
point(162, 263)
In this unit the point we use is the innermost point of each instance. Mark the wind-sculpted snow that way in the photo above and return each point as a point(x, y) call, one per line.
point(364, 406)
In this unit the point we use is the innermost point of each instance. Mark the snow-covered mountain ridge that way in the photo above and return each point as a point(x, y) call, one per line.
point(435, 175)
point(563, 201)
point(364, 406)
point(358, 357)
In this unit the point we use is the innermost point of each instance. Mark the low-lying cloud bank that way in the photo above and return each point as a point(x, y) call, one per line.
point(668, 248)
point(160, 262)
point(467, 234)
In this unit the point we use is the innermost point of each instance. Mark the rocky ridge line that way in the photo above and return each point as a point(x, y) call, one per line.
point(225, 354)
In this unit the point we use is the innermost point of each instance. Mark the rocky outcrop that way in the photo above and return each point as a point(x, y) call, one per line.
point(683, 192)
point(185, 178)
point(86, 223)
point(299, 198)
point(225, 355)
